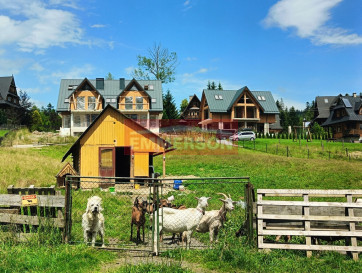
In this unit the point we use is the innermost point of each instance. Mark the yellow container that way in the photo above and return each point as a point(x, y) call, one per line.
point(137, 186)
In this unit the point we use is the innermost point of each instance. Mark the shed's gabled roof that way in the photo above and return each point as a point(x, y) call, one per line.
point(166, 143)
point(230, 96)
point(5, 83)
point(112, 90)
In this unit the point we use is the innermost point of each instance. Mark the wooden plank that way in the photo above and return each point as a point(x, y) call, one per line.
point(297, 210)
point(260, 222)
point(43, 200)
point(310, 218)
point(309, 204)
point(308, 239)
point(352, 228)
point(314, 192)
point(312, 247)
point(31, 220)
point(313, 233)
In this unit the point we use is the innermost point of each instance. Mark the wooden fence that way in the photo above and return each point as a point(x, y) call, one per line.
point(46, 207)
point(307, 213)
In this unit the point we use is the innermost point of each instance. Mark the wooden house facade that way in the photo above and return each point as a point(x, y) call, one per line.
point(116, 146)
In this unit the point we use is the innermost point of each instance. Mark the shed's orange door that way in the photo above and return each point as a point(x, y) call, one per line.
point(106, 161)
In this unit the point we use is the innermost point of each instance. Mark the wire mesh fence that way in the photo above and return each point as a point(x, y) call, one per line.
point(153, 214)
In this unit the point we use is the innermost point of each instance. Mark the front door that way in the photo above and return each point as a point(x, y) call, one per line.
point(106, 161)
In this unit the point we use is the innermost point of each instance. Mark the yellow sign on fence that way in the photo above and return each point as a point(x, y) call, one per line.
point(29, 200)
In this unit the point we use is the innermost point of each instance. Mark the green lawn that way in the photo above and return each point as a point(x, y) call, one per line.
point(38, 166)
point(317, 149)
point(3, 132)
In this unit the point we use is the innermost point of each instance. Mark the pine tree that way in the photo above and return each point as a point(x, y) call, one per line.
point(183, 105)
point(36, 120)
point(213, 85)
point(169, 107)
point(219, 87)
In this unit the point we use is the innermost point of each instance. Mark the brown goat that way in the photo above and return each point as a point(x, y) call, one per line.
point(138, 219)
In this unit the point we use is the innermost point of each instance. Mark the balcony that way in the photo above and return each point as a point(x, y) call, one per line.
point(133, 106)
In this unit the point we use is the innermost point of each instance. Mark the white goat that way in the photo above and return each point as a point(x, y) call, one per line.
point(213, 220)
point(176, 221)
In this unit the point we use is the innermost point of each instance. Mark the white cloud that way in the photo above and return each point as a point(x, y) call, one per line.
point(189, 59)
point(187, 5)
point(73, 73)
point(129, 70)
point(98, 26)
point(202, 70)
point(37, 67)
point(310, 18)
point(8, 67)
point(32, 25)
point(187, 2)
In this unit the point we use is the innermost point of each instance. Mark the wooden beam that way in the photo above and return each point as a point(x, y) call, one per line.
point(310, 204)
point(312, 247)
point(43, 200)
point(31, 220)
point(316, 192)
point(313, 233)
point(310, 218)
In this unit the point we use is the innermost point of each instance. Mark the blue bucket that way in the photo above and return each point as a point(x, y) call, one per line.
point(176, 184)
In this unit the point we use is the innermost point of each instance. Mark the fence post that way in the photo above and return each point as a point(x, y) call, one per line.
point(249, 196)
point(347, 152)
point(68, 210)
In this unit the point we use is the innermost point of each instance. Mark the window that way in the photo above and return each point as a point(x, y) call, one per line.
point(262, 98)
point(91, 103)
point(113, 100)
point(220, 97)
point(129, 103)
point(153, 121)
point(81, 103)
point(153, 100)
point(66, 100)
point(139, 103)
point(66, 121)
point(150, 87)
point(325, 100)
point(216, 97)
point(143, 120)
point(259, 98)
point(9, 99)
point(238, 112)
point(108, 100)
point(133, 116)
point(77, 121)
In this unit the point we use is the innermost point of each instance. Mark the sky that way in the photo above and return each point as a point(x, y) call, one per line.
point(297, 49)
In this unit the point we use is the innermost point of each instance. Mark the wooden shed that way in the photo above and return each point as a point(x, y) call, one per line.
point(66, 170)
point(116, 146)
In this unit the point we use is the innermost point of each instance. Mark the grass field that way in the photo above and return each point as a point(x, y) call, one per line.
point(317, 149)
point(3, 132)
point(39, 166)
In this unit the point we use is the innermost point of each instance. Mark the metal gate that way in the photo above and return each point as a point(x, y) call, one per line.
point(118, 199)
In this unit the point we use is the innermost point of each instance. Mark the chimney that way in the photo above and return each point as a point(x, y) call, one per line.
point(354, 95)
point(99, 83)
point(190, 98)
point(122, 83)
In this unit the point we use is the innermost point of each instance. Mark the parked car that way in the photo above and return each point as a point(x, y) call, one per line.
point(244, 135)
point(225, 133)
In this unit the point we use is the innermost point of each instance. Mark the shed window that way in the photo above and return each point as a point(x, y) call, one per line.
point(106, 158)
point(129, 103)
point(91, 103)
point(139, 103)
point(81, 103)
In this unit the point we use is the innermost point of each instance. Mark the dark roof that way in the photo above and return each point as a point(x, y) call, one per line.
point(5, 83)
point(111, 90)
point(228, 97)
point(323, 105)
point(350, 104)
point(194, 97)
point(119, 113)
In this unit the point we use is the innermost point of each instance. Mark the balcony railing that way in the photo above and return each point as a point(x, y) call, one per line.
point(133, 106)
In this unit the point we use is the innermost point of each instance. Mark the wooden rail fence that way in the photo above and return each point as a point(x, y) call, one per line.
point(48, 210)
point(305, 213)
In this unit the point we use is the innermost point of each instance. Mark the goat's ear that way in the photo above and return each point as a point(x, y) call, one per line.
point(197, 198)
point(208, 198)
point(235, 202)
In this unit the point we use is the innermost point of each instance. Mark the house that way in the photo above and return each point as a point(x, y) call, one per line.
point(322, 109)
point(345, 118)
point(81, 100)
point(115, 145)
point(191, 114)
point(237, 109)
point(9, 98)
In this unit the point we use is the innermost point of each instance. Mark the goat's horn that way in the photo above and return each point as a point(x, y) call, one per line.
point(229, 195)
point(223, 194)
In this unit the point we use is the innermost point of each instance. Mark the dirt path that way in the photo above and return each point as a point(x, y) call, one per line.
point(135, 258)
